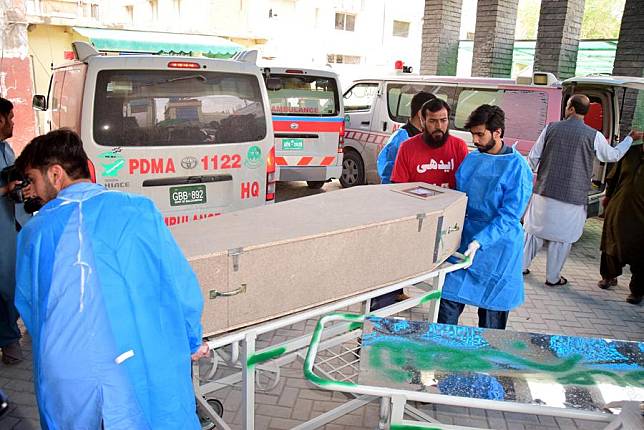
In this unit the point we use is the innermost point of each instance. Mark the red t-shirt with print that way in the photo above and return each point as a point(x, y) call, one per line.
point(418, 162)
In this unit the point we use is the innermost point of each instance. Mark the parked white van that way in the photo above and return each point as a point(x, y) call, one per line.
point(193, 134)
point(376, 107)
point(308, 120)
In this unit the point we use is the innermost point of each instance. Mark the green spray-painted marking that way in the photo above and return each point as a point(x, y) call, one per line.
point(265, 356)
point(434, 295)
point(387, 355)
point(355, 326)
point(315, 339)
point(519, 345)
point(409, 427)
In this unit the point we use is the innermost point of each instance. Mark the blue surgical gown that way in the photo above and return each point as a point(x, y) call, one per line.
point(498, 188)
point(387, 156)
point(114, 311)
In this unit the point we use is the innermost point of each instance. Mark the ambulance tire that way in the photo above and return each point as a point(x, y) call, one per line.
point(315, 185)
point(352, 169)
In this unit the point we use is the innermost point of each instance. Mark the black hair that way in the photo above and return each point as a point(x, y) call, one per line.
point(5, 107)
point(434, 105)
point(419, 100)
point(63, 147)
point(492, 117)
point(580, 103)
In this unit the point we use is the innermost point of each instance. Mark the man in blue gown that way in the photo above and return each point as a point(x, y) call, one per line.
point(498, 184)
point(111, 303)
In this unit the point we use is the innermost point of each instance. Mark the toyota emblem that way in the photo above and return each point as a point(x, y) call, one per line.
point(189, 162)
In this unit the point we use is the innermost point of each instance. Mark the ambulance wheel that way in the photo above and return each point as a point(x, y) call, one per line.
point(204, 420)
point(315, 185)
point(352, 169)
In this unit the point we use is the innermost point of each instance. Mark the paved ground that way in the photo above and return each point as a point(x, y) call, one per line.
point(579, 308)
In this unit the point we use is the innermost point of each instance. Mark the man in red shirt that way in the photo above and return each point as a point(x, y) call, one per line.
point(434, 155)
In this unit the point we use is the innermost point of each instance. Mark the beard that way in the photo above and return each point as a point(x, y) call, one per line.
point(435, 139)
point(486, 146)
point(50, 191)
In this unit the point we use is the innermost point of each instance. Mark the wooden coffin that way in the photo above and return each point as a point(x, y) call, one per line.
point(297, 254)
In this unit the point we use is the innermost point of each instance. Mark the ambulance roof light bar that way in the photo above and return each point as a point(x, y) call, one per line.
point(400, 67)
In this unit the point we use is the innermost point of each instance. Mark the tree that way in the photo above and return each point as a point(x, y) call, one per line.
point(602, 19)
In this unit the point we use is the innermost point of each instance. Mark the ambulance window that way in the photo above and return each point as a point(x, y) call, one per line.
point(305, 95)
point(525, 111)
point(171, 107)
point(360, 97)
point(470, 99)
point(399, 98)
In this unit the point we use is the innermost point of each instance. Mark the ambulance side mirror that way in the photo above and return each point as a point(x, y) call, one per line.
point(39, 102)
point(273, 84)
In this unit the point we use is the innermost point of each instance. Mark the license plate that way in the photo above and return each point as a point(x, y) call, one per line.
point(191, 195)
point(292, 144)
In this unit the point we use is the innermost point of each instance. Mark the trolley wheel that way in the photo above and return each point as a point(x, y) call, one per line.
point(204, 420)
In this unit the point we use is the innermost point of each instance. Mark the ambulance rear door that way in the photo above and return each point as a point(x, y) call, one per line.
point(308, 122)
point(191, 134)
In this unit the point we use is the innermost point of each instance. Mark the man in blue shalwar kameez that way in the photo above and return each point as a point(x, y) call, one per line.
point(498, 184)
point(110, 301)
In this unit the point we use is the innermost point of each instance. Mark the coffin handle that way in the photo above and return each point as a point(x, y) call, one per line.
point(213, 294)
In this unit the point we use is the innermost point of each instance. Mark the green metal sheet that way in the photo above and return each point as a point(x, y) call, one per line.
point(156, 42)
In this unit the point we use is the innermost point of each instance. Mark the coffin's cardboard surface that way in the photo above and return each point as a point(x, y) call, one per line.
point(269, 261)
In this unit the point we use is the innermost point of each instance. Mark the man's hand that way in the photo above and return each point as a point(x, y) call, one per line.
point(202, 352)
point(28, 192)
point(472, 248)
point(636, 134)
point(605, 202)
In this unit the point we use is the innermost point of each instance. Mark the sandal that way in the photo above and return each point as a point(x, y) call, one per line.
point(562, 281)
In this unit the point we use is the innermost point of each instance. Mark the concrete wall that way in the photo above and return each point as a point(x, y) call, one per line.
point(15, 70)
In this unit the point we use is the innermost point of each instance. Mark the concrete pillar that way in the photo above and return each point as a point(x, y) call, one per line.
point(15, 71)
point(558, 37)
point(629, 61)
point(494, 38)
point(441, 27)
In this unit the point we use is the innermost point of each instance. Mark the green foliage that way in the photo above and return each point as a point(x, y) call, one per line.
point(602, 19)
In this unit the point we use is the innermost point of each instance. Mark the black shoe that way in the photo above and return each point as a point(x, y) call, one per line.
point(526, 272)
point(633, 299)
point(605, 284)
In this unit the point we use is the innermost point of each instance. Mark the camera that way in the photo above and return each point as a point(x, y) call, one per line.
point(11, 174)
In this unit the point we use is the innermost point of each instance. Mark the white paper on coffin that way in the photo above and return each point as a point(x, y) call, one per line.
point(294, 255)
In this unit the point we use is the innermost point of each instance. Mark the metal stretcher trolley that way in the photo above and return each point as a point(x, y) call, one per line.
point(235, 358)
point(401, 361)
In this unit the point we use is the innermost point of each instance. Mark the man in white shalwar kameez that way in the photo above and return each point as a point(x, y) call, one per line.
point(563, 158)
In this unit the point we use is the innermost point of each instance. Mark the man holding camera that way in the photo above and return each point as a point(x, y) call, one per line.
point(9, 331)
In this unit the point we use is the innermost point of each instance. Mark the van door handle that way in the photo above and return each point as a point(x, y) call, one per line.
point(187, 180)
point(384, 126)
point(365, 122)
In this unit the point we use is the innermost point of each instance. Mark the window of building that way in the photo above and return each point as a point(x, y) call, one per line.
point(129, 14)
point(94, 11)
point(342, 59)
point(345, 21)
point(401, 29)
point(154, 9)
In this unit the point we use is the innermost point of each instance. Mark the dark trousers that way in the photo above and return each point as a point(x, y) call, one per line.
point(449, 312)
point(611, 267)
point(385, 300)
point(9, 331)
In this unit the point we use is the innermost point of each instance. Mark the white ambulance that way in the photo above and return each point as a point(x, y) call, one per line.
point(308, 121)
point(193, 134)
